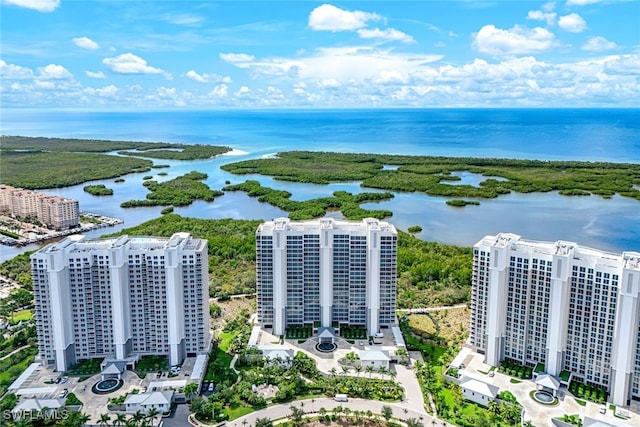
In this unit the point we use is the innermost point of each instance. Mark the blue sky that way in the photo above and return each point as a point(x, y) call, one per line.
point(265, 54)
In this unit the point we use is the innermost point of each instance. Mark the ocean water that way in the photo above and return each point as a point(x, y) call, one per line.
point(549, 134)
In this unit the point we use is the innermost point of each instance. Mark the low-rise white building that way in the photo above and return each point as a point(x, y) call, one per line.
point(26, 407)
point(375, 358)
point(278, 355)
point(159, 400)
point(478, 391)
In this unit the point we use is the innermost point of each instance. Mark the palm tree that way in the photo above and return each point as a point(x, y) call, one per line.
point(152, 414)
point(392, 374)
point(333, 371)
point(264, 422)
point(322, 412)
point(338, 411)
point(345, 369)
point(190, 390)
point(138, 417)
point(302, 407)
point(120, 419)
point(312, 402)
point(296, 415)
point(382, 370)
point(387, 413)
point(104, 419)
point(76, 419)
point(405, 410)
point(369, 370)
point(358, 369)
point(347, 412)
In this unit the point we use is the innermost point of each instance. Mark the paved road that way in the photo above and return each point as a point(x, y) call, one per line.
point(179, 417)
point(279, 411)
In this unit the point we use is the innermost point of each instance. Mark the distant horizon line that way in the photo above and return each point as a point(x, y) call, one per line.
point(303, 109)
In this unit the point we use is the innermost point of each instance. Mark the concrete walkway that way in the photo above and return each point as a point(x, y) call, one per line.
point(430, 309)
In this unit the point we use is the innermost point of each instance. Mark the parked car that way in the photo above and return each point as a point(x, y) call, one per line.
point(63, 393)
point(603, 409)
point(64, 379)
point(361, 342)
point(211, 386)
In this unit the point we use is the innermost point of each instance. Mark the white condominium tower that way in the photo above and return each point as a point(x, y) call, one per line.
point(326, 272)
point(120, 298)
point(568, 307)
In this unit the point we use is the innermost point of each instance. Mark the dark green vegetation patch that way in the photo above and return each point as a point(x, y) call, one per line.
point(429, 273)
point(185, 152)
point(429, 175)
point(98, 190)
point(232, 248)
point(36, 170)
point(34, 162)
point(347, 203)
point(180, 191)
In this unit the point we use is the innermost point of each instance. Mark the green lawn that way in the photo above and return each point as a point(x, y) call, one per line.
point(21, 315)
point(225, 340)
point(237, 411)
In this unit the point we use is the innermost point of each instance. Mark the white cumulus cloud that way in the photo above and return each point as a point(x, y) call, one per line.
point(205, 78)
point(344, 64)
point(539, 15)
point(39, 5)
point(327, 17)
point(572, 23)
point(85, 43)
point(236, 57)
point(220, 91)
point(13, 72)
point(625, 65)
point(598, 44)
point(389, 34)
point(128, 63)
point(53, 71)
point(515, 41)
point(94, 75)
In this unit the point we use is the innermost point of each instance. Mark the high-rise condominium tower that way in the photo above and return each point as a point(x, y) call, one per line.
point(326, 272)
point(568, 307)
point(121, 297)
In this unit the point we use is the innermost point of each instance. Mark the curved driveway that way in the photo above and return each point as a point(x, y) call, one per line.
point(279, 411)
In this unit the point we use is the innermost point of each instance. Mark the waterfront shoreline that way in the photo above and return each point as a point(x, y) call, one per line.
point(105, 221)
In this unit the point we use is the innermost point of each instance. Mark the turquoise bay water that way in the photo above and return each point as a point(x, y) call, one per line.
point(592, 135)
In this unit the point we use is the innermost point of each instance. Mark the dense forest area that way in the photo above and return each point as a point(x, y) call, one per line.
point(429, 273)
point(38, 170)
point(36, 163)
point(433, 175)
point(186, 152)
point(343, 201)
point(180, 191)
